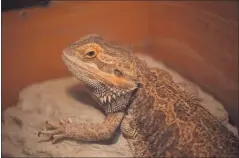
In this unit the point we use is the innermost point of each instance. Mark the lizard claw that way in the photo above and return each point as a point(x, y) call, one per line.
point(54, 131)
point(50, 125)
point(62, 122)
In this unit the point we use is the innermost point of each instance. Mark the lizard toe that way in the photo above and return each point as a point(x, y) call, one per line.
point(57, 138)
point(50, 125)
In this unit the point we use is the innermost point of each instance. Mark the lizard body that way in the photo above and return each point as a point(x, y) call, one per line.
point(155, 116)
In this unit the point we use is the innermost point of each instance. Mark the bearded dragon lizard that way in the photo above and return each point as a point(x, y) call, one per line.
point(155, 116)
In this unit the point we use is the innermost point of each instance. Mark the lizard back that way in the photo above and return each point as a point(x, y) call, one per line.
point(168, 121)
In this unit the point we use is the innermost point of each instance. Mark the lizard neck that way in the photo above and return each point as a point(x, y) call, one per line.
point(145, 95)
point(145, 76)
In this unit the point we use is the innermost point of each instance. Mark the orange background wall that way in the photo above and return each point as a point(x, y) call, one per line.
point(198, 39)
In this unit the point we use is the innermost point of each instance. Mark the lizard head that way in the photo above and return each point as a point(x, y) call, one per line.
point(106, 68)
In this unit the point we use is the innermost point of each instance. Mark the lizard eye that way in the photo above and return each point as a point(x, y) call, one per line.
point(118, 73)
point(90, 53)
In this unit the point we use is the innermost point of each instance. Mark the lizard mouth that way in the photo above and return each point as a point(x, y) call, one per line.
point(90, 74)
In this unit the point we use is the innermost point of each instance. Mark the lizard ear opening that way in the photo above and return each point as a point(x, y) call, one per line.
point(118, 73)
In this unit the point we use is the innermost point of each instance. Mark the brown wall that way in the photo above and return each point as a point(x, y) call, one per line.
point(199, 39)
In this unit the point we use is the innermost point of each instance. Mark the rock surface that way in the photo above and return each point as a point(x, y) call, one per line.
point(66, 97)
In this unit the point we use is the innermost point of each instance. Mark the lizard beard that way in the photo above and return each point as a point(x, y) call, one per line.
point(112, 99)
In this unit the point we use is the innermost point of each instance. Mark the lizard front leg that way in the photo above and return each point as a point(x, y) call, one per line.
point(85, 131)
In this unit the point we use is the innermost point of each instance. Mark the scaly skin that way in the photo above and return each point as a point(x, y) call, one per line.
point(154, 114)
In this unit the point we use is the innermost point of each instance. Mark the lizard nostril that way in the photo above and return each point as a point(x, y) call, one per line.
point(68, 52)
